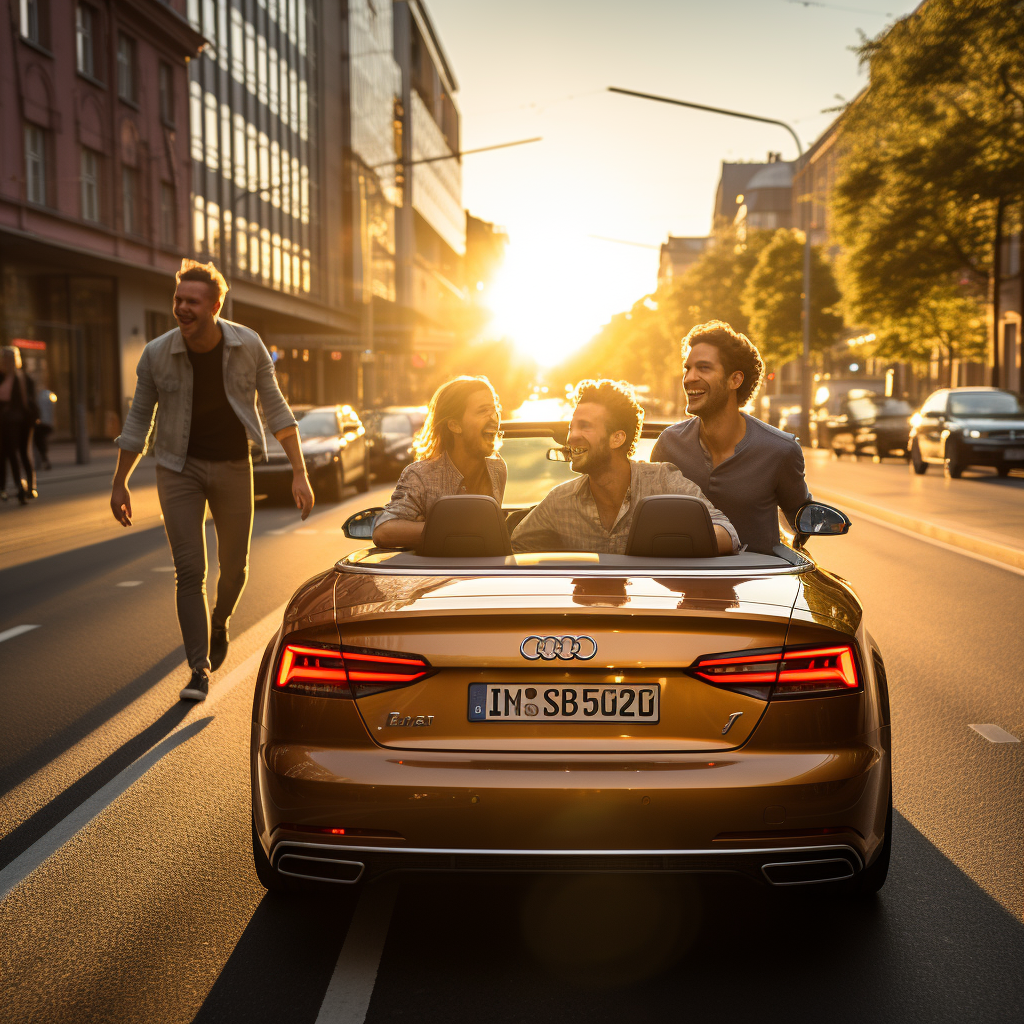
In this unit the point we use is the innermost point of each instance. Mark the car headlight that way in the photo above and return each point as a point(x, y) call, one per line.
point(973, 433)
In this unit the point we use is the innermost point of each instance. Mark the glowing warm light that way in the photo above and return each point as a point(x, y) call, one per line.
point(556, 290)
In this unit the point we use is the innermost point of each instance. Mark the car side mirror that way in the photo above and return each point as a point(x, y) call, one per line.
point(817, 520)
point(360, 526)
point(558, 455)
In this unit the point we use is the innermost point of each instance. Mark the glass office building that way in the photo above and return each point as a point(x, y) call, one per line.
point(254, 141)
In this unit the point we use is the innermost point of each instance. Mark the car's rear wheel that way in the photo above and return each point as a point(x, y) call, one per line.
point(873, 877)
point(920, 466)
point(270, 878)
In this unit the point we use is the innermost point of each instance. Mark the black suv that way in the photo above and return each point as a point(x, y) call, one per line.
point(961, 427)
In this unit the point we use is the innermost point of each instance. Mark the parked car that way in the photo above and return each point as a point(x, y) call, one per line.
point(334, 447)
point(961, 427)
point(389, 434)
point(872, 425)
point(791, 419)
point(828, 400)
point(772, 406)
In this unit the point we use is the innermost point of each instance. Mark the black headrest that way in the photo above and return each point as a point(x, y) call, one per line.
point(671, 526)
point(465, 526)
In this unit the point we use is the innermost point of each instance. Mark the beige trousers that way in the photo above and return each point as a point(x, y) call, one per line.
point(227, 488)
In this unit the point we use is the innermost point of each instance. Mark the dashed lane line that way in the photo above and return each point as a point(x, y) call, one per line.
point(10, 634)
point(47, 845)
point(995, 734)
point(163, 568)
point(351, 986)
point(129, 583)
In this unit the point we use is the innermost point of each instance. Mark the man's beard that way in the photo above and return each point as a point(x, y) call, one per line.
point(715, 401)
point(594, 460)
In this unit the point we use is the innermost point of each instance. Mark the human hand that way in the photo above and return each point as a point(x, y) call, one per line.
point(121, 504)
point(302, 493)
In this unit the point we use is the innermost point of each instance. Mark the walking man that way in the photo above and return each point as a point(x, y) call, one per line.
point(746, 468)
point(203, 378)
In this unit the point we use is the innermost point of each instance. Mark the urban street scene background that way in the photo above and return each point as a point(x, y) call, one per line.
point(398, 192)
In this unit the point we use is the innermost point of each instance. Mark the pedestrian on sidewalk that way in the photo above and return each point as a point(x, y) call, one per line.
point(745, 467)
point(203, 378)
point(46, 400)
point(18, 414)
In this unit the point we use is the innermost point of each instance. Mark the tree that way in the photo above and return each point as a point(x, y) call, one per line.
point(932, 172)
point(773, 300)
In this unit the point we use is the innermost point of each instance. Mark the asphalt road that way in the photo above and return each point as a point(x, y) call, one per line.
point(147, 908)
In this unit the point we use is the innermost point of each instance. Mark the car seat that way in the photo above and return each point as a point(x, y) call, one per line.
point(672, 526)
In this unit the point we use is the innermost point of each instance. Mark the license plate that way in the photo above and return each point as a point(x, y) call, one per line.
point(1014, 453)
point(489, 702)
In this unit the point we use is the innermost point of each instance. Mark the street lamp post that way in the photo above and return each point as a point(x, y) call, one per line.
point(805, 368)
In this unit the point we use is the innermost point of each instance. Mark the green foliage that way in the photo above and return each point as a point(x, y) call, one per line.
point(932, 153)
point(642, 345)
point(773, 300)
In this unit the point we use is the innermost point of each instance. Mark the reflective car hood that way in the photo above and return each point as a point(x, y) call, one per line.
point(359, 596)
point(1008, 422)
point(308, 444)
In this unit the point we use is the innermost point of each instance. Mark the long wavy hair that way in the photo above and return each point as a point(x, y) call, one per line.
point(448, 402)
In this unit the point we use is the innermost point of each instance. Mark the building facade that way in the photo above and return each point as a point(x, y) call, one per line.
point(94, 193)
point(676, 255)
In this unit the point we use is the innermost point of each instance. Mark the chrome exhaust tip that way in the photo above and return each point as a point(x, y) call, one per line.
point(808, 872)
point(318, 864)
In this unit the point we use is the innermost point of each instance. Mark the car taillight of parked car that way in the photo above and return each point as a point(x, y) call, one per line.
point(323, 670)
point(783, 672)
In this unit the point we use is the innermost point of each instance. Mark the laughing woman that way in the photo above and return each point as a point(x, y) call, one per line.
point(456, 453)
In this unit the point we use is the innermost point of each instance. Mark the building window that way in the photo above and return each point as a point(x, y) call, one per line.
point(85, 40)
point(90, 185)
point(126, 67)
point(35, 164)
point(35, 21)
point(168, 215)
point(166, 79)
point(130, 201)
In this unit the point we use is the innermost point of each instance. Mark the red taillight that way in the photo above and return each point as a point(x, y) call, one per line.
point(322, 670)
point(778, 672)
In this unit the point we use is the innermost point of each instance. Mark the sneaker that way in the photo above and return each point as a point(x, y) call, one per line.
point(219, 641)
point(198, 686)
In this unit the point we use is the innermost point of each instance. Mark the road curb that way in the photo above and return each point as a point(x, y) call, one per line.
point(966, 542)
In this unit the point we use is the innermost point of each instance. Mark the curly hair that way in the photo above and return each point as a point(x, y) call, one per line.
point(191, 270)
point(448, 402)
point(619, 400)
point(736, 351)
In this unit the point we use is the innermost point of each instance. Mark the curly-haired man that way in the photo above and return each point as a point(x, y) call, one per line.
point(595, 512)
point(747, 468)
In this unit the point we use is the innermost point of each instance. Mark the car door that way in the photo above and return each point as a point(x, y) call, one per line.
point(931, 423)
point(839, 428)
point(860, 415)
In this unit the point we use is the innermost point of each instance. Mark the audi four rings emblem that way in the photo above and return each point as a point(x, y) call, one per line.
point(565, 648)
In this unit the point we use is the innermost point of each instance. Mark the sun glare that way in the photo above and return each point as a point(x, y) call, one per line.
point(555, 292)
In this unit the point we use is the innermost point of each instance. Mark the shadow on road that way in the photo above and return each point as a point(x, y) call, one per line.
point(933, 948)
point(21, 838)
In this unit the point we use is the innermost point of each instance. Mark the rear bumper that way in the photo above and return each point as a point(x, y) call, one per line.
point(780, 866)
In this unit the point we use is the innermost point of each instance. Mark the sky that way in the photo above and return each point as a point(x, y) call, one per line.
point(618, 167)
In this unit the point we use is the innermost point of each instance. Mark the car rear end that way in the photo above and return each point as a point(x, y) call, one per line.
point(637, 724)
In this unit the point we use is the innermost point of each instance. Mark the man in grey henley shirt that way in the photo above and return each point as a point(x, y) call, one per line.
point(745, 467)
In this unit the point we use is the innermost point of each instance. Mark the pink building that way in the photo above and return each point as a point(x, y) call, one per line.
point(95, 179)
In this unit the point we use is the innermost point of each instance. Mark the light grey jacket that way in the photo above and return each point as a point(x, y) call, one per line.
point(165, 385)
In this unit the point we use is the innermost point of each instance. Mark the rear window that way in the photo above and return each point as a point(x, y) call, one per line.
point(317, 423)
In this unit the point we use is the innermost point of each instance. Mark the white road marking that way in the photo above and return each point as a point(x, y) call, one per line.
point(163, 568)
point(305, 533)
point(853, 514)
point(10, 634)
point(994, 734)
point(130, 583)
point(351, 986)
point(46, 846)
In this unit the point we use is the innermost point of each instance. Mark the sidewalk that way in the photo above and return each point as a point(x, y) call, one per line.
point(978, 513)
point(102, 459)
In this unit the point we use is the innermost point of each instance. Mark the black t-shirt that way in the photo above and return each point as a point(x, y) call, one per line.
point(216, 433)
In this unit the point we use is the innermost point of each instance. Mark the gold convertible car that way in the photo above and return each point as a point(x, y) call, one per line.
point(463, 708)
